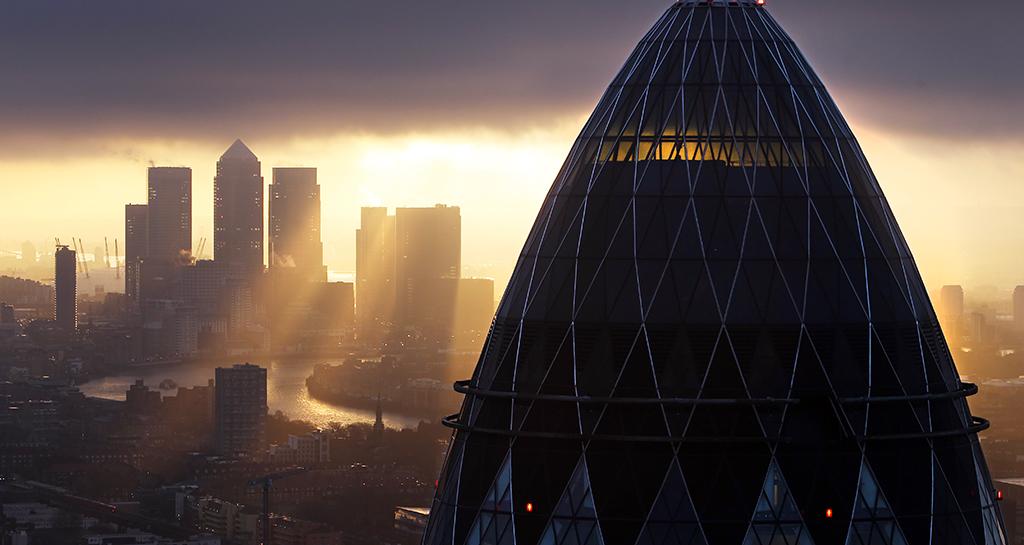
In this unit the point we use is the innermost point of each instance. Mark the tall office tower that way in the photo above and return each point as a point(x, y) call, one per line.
point(28, 252)
point(716, 333)
point(474, 306)
point(169, 231)
point(334, 308)
point(238, 211)
point(1018, 307)
point(136, 247)
point(974, 328)
point(951, 304)
point(294, 224)
point(428, 247)
point(456, 309)
point(170, 214)
point(203, 288)
point(241, 306)
point(240, 409)
point(169, 327)
point(65, 288)
point(375, 272)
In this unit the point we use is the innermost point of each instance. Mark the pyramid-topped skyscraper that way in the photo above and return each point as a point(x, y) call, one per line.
point(716, 333)
point(238, 211)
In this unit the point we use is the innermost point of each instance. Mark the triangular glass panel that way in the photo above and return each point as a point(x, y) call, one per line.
point(776, 504)
point(494, 520)
point(574, 521)
point(873, 521)
point(871, 504)
point(672, 519)
point(776, 519)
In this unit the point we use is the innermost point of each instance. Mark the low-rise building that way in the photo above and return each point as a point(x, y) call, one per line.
point(312, 448)
point(142, 538)
point(44, 517)
point(1011, 491)
point(291, 531)
point(227, 520)
point(411, 522)
point(140, 399)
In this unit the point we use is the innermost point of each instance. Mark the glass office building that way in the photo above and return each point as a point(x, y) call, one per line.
point(716, 333)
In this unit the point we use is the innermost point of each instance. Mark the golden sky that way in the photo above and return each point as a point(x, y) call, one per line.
point(474, 105)
point(959, 205)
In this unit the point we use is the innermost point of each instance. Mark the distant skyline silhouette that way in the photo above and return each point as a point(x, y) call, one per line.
point(412, 104)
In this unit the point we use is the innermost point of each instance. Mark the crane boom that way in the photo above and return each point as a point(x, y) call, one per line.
point(84, 262)
point(78, 255)
point(117, 260)
point(265, 482)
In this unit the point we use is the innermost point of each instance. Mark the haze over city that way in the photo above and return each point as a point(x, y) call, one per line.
point(674, 272)
point(475, 105)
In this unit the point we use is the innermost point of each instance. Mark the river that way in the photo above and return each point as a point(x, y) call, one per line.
point(286, 389)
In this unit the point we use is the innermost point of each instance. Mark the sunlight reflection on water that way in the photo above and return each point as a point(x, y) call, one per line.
point(286, 390)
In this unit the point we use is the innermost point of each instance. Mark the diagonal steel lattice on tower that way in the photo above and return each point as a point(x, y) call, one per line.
point(715, 333)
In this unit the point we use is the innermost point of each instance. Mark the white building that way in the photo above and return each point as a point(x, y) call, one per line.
point(310, 449)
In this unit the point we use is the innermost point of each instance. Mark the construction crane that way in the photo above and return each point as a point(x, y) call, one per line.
point(106, 252)
point(78, 255)
point(117, 260)
point(265, 483)
point(81, 252)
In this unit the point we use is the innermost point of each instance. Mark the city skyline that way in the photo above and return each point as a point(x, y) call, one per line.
point(586, 272)
point(911, 100)
point(339, 258)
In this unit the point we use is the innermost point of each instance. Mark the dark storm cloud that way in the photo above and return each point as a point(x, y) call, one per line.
point(949, 68)
point(202, 69)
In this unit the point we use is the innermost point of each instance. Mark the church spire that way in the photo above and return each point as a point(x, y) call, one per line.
point(378, 424)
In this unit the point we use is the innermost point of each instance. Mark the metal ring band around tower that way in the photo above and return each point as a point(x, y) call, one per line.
point(977, 425)
point(466, 387)
point(967, 389)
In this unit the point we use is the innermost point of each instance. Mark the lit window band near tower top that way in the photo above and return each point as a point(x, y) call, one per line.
point(715, 333)
point(721, 2)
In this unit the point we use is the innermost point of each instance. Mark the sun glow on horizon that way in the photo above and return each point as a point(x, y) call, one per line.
point(958, 205)
point(498, 180)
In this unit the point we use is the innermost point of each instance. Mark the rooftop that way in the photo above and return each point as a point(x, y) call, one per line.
point(239, 150)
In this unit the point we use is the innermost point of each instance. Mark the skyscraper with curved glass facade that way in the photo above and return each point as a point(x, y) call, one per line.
point(716, 333)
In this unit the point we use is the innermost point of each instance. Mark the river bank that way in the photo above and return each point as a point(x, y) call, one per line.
point(286, 389)
point(418, 389)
